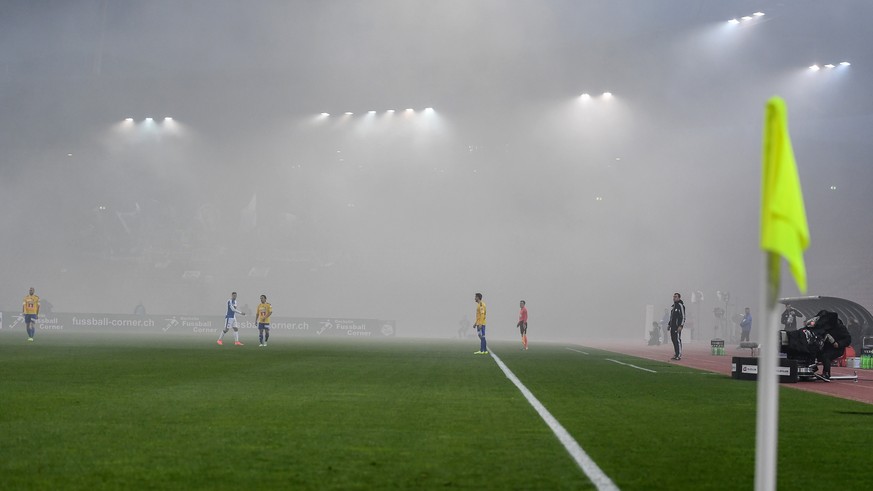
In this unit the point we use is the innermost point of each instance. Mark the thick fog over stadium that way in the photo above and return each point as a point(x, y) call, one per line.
point(388, 159)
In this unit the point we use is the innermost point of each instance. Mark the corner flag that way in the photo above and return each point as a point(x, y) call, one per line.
point(784, 233)
point(784, 230)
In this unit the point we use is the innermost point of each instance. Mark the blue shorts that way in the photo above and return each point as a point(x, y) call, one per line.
point(28, 318)
point(261, 325)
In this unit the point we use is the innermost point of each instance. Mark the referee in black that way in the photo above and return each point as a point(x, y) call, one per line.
point(677, 321)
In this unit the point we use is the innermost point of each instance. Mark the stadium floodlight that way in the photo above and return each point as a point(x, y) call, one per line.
point(585, 96)
point(390, 111)
point(371, 112)
point(844, 63)
point(168, 118)
point(607, 95)
point(815, 68)
point(128, 120)
point(758, 14)
point(733, 22)
point(829, 65)
point(324, 115)
point(428, 110)
point(149, 120)
point(349, 113)
point(410, 110)
point(746, 17)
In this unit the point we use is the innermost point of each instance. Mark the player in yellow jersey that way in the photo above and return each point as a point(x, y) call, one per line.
point(264, 312)
point(30, 310)
point(480, 325)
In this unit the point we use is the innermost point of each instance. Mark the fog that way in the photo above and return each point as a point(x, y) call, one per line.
point(512, 185)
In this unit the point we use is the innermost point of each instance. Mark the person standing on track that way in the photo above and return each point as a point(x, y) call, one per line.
point(480, 325)
point(746, 326)
point(676, 323)
point(522, 324)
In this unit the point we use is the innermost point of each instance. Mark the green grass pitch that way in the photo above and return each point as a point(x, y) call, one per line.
point(87, 412)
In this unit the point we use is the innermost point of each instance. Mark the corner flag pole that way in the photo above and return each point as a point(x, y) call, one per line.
point(784, 234)
point(767, 430)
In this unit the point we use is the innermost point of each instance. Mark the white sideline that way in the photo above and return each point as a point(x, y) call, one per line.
point(629, 365)
point(600, 480)
point(577, 351)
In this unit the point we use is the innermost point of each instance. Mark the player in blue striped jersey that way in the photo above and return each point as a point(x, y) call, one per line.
point(230, 321)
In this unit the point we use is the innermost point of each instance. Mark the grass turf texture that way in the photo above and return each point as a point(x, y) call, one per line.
point(82, 412)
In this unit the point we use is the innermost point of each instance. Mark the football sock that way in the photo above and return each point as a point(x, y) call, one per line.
point(221, 336)
point(236, 336)
point(261, 336)
point(266, 335)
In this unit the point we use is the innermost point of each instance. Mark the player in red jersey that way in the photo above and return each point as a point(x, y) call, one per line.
point(522, 324)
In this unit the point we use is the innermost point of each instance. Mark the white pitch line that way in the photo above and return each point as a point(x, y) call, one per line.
point(629, 365)
point(600, 480)
point(577, 351)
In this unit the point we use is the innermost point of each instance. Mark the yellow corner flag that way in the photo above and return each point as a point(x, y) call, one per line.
point(784, 230)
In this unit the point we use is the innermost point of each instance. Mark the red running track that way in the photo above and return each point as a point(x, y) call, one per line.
point(697, 355)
